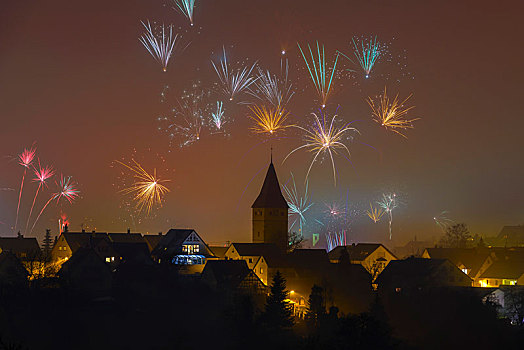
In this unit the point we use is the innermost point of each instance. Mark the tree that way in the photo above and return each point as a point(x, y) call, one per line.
point(316, 308)
point(47, 243)
point(295, 241)
point(457, 236)
point(514, 304)
point(278, 314)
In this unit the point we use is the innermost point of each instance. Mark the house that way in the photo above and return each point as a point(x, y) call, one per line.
point(13, 275)
point(414, 274)
point(501, 267)
point(23, 248)
point(509, 236)
point(69, 242)
point(265, 259)
point(412, 248)
point(219, 252)
point(232, 276)
point(469, 260)
point(183, 248)
point(86, 273)
point(152, 241)
point(374, 257)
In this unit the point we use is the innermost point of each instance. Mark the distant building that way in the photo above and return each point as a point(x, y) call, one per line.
point(270, 213)
point(412, 248)
point(23, 248)
point(232, 276)
point(265, 259)
point(469, 260)
point(184, 248)
point(509, 236)
point(374, 257)
point(414, 274)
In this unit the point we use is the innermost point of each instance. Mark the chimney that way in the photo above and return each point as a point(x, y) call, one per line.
point(160, 233)
point(128, 230)
point(83, 231)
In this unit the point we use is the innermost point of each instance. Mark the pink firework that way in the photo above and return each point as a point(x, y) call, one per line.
point(66, 189)
point(41, 176)
point(25, 159)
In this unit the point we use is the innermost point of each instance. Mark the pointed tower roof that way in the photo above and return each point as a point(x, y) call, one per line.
point(270, 195)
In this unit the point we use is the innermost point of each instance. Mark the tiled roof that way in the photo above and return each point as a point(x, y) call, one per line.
point(270, 195)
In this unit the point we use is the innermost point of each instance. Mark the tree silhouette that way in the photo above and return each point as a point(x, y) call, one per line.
point(316, 308)
point(47, 243)
point(457, 236)
point(278, 314)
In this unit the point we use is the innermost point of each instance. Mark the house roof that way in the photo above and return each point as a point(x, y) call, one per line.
point(414, 269)
point(513, 233)
point(132, 252)
point(471, 258)
point(309, 258)
point(508, 264)
point(173, 240)
point(270, 195)
point(219, 252)
point(227, 272)
point(271, 253)
point(152, 241)
point(126, 237)
point(9, 262)
point(77, 240)
point(19, 245)
point(357, 252)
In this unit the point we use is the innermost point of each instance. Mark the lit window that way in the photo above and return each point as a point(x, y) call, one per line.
point(261, 270)
point(108, 259)
point(113, 258)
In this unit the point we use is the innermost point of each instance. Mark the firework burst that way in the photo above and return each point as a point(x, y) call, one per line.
point(42, 174)
point(298, 205)
point(218, 116)
point(268, 120)
point(233, 82)
point(161, 45)
point(67, 190)
point(321, 75)
point(388, 203)
point(374, 213)
point(443, 221)
point(147, 189)
point(335, 239)
point(324, 137)
point(186, 7)
point(269, 88)
point(25, 159)
point(185, 122)
point(391, 113)
point(367, 52)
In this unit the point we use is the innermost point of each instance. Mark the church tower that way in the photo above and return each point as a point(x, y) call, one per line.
point(269, 213)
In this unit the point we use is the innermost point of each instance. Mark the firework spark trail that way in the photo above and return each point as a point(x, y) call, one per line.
point(367, 53)
point(218, 116)
point(186, 7)
point(268, 120)
point(335, 239)
point(187, 120)
point(443, 221)
point(268, 87)
point(41, 176)
point(233, 83)
point(389, 203)
point(66, 189)
point(25, 159)
point(319, 73)
point(160, 47)
point(391, 113)
point(375, 214)
point(324, 138)
point(298, 205)
point(147, 189)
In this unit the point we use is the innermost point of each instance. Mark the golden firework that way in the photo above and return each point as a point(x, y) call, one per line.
point(374, 213)
point(268, 120)
point(391, 114)
point(147, 189)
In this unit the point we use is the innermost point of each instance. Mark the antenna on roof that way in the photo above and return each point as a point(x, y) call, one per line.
point(271, 153)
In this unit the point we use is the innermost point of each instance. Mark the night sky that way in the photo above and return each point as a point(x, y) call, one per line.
point(76, 80)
